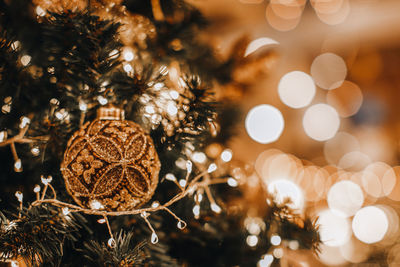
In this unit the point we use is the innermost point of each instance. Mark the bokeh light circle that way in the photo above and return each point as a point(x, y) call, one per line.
point(346, 99)
point(334, 230)
point(328, 71)
point(296, 89)
point(264, 124)
point(370, 224)
point(321, 122)
point(345, 198)
point(284, 189)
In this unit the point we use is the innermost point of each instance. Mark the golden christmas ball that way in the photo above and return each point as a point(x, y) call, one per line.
point(110, 163)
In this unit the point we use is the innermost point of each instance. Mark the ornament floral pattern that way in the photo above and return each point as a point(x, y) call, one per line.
point(83, 160)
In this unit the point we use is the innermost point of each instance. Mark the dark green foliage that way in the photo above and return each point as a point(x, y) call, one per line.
point(39, 234)
point(125, 252)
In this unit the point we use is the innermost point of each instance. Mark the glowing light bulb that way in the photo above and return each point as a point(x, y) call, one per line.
point(36, 189)
point(181, 225)
point(212, 168)
point(232, 182)
point(170, 177)
point(189, 166)
point(102, 100)
point(276, 240)
point(182, 182)
point(149, 109)
point(215, 208)
point(95, 204)
point(114, 53)
point(252, 240)
point(111, 243)
point(174, 94)
point(47, 180)
point(158, 86)
point(154, 238)
point(40, 11)
point(196, 211)
point(128, 68)
point(128, 54)
point(35, 151)
point(198, 197)
point(82, 106)
point(14, 264)
point(101, 221)
point(172, 109)
point(66, 211)
point(226, 155)
point(278, 253)
point(25, 59)
point(24, 122)
point(19, 196)
point(199, 157)
point(18, 165)
point(155, 204)
point(3, 136)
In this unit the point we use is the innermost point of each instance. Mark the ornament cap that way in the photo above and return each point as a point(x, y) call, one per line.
point(110, 112)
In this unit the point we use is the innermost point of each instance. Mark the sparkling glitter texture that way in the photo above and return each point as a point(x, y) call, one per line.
point(111, 161)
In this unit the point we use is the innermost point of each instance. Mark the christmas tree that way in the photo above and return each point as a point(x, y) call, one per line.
point(113, 141)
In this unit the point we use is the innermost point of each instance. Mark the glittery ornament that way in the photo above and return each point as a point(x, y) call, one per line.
point(110, 163)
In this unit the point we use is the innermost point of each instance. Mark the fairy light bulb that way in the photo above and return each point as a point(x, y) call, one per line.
point(170, 177)
point(128, 68)
point(276, 240)
point(196, 211)
point(36, 189)
point(189, 166)
point(114, 53)
point(198, 197)
point(154, 238)
point(174, 94)
point(101, 221)
point(19, 196)
point(95, 204)
point(212, 168)
point(82, 106)
point(35, 151)
point(14, 264)
point(24, 122)
point(102, 100)
point(182, 182)
point(40, 11)
point(226, 155)
point(25, 59)
point(66, 211)
point(47, 180)
point(3, 136)
point(18, 165)
point(172, 109)
point(232, 182)
point(181, 225)
point(199, 157)
point(215, 208)
point(155, 204)
point(111, 243)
